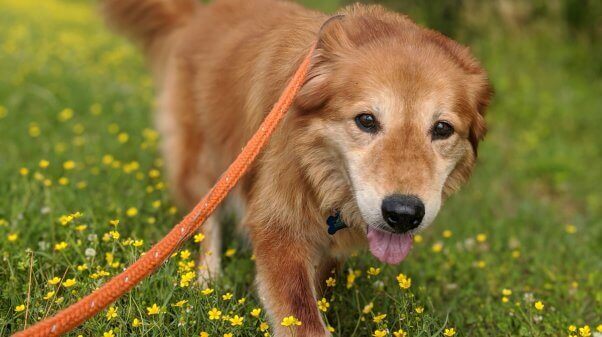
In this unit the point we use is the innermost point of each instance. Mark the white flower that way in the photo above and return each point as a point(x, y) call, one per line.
point(90, 252)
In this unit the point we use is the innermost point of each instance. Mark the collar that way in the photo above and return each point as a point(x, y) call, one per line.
point(335, 223)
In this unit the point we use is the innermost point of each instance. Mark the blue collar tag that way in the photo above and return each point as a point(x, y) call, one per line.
point(335, 223)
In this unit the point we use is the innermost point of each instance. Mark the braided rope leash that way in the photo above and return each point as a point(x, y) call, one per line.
point(74, 315)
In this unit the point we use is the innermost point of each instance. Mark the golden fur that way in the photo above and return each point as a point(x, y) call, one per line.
point(220, 67)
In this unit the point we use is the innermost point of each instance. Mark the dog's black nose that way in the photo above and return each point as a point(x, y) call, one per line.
point(402, 212)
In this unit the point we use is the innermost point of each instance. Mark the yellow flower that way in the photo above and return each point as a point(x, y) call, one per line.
point(199, 237)
point(136, 322)
point(330, 328)
point(373, 271)
point(227, 296)
point(236, 320)
point(81, 228)
point(539, 305)
point(111, 313)
point(331, 282)
point(20, 308)
point(572, 328)
point(350, 279)
point(179, 303)
point(379, 318)
point(69, 165)
point(368, 308)
point(185, 254)
point(44, 163)
point(447, 234)
point(290, 321)
point(123, 137)
point(131, 212)
point(449, 332)
point(323, 305)
point(34, 130)
point(585, 331)
point(49, 295)
point(481, 237)
point(186, 279)
point(69, 283)
point(54, 280)
point(437, 247)
point(242, 300)
point(154, 173)
point(404, 281)
point(65, 115)
point(419, 310)
point(599, 328)
point(230, 252)
point(379, 333)
point(108, 334)
point(570, 229)
point(203, 334)
point(516, 254)
point(207, 291)
point(418, 238)
point(60, 246)
point(263, 326)
point(505, 299)
point(228, 335)
point(256, 312)
point(114, 234)
point(506, 292)
point(114, 222)
point(23, 171)
point(153, 310)
point(137, 243)
point(400, 333)
point(214, 314)
point(12, 237)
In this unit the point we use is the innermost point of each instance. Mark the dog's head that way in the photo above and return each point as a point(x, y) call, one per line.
point(403, 107)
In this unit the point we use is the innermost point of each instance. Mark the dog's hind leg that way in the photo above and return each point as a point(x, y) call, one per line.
point(211, 246)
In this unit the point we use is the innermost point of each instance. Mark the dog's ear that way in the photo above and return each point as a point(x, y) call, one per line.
point(332, 40)
point(478, 126)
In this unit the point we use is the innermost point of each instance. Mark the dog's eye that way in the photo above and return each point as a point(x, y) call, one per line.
point(442, 130)
point(366, 122)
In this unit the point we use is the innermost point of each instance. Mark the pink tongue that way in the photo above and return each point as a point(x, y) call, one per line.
point(389, 247)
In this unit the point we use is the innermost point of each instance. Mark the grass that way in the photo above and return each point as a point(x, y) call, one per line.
point(79, 99)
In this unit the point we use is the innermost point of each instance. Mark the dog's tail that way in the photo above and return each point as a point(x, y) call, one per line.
point(148, 22)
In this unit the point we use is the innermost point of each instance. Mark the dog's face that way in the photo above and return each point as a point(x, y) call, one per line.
point(405, 111)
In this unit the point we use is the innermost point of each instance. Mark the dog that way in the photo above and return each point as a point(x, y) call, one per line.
point(385, 127)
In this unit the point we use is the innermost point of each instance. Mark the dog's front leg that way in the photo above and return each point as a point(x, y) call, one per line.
point(285, 277)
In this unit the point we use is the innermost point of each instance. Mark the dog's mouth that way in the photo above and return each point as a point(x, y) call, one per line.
point(388, 247)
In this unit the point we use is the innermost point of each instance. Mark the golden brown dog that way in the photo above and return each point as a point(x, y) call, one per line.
point(385, 127)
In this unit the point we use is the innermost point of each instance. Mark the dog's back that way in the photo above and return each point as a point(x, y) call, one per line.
point(219, 67)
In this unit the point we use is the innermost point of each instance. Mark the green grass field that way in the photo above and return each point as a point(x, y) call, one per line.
point(516, 253)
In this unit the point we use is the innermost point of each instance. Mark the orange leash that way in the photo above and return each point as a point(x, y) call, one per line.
point(74, 315)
